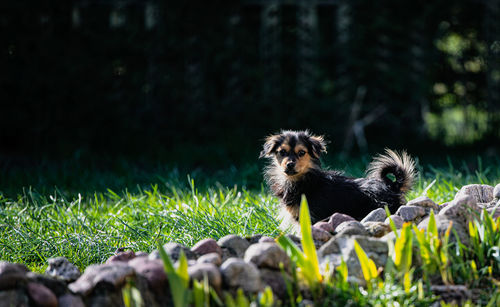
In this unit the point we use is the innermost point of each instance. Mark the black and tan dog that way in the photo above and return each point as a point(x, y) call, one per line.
point(295, 169)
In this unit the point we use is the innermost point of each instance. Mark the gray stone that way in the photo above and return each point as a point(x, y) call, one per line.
point(12, 275)
point(62, 269)
point(236, 273)
point(496, 192)
point(253, 239)
point(294, 238)
point(228, 253)
point(206, 246)
point(16, 297)
point(338, 218)
point(123, 256)
point(267, 255)
point(481, 193)
point(377, 229)
point(330, 247)
point(112, 275)
point(375, 249)
point(410, 213)
point(41, 295)
point(461, 209)
point(266, 239)
point(8, 268)
point(199, 270)
point(377, 215)
point(325, 226)
point(69, 300)
point(398, 221)
point(495, 211)
point(319, 234)
point(351, 228)
point(173, 250)
point(56, 285)
point(275, 280)
point(238, 244)
point(442, 224)
point(212, 258)
point(423, 201)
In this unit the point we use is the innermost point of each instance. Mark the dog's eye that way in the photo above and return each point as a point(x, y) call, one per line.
point(282, 152)
point(301, 153)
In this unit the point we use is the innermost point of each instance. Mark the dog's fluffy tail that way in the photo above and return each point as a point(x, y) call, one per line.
point(400, 165)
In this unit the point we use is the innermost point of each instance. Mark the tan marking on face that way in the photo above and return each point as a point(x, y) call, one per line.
point(304, 163)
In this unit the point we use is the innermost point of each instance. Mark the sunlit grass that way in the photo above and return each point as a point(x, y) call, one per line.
point(88, 227)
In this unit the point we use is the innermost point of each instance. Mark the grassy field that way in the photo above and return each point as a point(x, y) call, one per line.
point(68, 211)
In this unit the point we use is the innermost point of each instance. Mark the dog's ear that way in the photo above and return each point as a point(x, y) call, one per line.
point(272, 142)
point(318, 145)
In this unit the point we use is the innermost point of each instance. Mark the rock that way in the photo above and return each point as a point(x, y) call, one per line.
point(442, 224)
point(452, 293)
point(16, 297)
point(173, 250)
point(330, 247)
point(154, 273)
point(253, 239)
point(338, 218)
point(12, 275)
point(494, 211)
point(266, 239)
point(228, 253)
point(111, 275)
point(377, 215)
point(462, 209)
point(398, 221)
point(62, 269)
point(496, 192)
point(206, 246)
point(199, 270)
point(212, 258)
point(376, 249)
point(481, 193)
point(423, 201)
point(41, 295)
point(151, 269)
point(377, 229)
point(267, 255)
point(57, 286)
point(141, 254)
point(319, 234)
point(123, 256)
point(236, 273)
point(275, 280)
point(325, 226)
point(9, 268)
point(351, 228)
point(411, 213)
point(236, 243)
point(69, 300)
point(294, 238)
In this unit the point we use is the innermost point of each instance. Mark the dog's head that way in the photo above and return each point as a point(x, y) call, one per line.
point(295, 152)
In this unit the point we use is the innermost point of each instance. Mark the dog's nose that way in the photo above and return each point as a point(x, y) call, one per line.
point(290, 164)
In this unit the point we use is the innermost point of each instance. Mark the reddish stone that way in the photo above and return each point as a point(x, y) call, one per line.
point(206, 246)
point(125, 256)
point(338, 218)
point(325, 226)
point(41, 295)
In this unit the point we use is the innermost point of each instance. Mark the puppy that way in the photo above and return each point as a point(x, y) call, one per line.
point(295, 169)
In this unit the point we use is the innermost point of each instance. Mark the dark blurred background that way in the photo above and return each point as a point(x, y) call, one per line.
point(201, 83)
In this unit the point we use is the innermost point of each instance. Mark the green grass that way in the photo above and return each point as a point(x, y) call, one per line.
point(84, 221)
